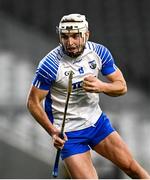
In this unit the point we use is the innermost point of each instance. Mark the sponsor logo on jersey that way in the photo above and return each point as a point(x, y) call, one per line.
point(92, 64)
point(77, 85)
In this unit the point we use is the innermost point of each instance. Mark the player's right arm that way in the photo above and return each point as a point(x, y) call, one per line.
point(34, 105)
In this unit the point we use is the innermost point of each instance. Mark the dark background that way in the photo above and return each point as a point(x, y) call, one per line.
point(123, 26)
point(27, 33)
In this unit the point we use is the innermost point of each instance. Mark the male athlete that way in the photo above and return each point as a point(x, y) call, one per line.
point(86, 126)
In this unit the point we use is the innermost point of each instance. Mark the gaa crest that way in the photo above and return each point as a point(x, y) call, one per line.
point(92, 64)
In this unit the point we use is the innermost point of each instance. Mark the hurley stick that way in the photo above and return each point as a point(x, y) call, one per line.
point(69, 89)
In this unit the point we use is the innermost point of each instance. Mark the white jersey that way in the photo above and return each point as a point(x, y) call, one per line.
point(52, 75)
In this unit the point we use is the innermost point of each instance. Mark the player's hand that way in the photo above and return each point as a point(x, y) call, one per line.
point(92, 84)
point(59, 141)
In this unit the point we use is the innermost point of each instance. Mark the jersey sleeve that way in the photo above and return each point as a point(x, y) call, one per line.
point(108, 64)
point(45, 74)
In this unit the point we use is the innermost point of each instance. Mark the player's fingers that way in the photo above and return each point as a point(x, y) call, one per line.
point(89, 89)
point(57, 146)
point(88, 86)
point(58, 143)
point(89, 78)
point(87, 83)
point(58, 140)
point(65, 137)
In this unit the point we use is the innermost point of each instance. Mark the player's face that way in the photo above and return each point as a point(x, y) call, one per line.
point(73, 43)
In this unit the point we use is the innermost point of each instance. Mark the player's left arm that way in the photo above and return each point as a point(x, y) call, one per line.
point(115, 86)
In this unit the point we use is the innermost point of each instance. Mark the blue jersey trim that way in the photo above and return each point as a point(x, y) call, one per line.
point(48, 108)
point(47, 70)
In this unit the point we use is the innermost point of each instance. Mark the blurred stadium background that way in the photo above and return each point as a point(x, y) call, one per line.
point(27, 33)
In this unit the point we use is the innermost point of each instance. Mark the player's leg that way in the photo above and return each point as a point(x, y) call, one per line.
point(114, 149)
point(80, 166)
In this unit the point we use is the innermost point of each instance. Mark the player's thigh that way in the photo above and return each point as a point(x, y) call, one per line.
point(80, 166)
point(114, 149)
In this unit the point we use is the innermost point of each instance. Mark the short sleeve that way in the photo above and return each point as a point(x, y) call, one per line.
point(45, 74)
point(108, 64)
point(40, 81)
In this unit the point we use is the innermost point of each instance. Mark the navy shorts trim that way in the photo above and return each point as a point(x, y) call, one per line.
point(83, 140)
